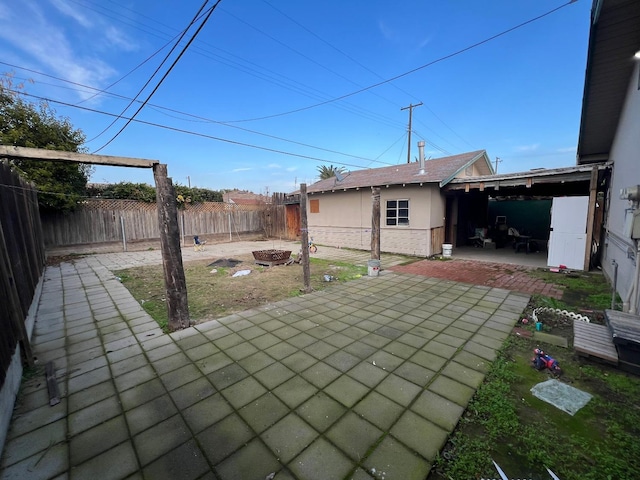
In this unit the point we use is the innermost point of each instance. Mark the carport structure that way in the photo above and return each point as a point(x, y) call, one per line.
point(525, 199)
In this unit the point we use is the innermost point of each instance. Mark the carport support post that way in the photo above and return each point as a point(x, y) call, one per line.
point(593, 192)
point(375, 223)
point(304, 227)
point(174, 279)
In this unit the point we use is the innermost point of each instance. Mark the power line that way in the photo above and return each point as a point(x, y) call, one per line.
point(271, 77)
point(161, 109)
point(188, 132)
point(429, 64)
point(184, 49)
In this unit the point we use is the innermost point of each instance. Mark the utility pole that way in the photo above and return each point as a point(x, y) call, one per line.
point(497, 161)
point(410, 108)
point(189, 181)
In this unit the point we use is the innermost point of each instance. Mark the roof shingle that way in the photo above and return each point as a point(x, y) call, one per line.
point(436, 171)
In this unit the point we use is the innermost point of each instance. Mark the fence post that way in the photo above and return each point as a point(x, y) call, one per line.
point(124, 234)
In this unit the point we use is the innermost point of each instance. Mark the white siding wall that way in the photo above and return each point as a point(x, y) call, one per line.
point(344, 219)
point(625, 154)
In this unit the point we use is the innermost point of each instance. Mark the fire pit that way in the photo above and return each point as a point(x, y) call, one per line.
point(270, 258)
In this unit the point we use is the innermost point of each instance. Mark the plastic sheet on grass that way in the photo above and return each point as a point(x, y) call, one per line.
point(565, 397)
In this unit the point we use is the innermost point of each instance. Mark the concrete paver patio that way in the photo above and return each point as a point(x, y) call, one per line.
point(361, 380)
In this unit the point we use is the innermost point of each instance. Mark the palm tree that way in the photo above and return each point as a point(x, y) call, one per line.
point(328, 172)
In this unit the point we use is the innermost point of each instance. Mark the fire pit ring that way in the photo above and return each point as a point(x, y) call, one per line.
point(270, 258)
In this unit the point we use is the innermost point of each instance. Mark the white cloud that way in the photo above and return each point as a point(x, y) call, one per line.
point(274, 165)
point(49, 47)
point(246, 169)
point(387, 32)
point(117, 38)
point(527, 148)
point(291, 169)
point(68, 10)
point(425, 42)
point(566, 150)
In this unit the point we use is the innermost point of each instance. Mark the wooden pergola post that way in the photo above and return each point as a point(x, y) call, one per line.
point(304, 238)
point(174, 278)
point(375, 223)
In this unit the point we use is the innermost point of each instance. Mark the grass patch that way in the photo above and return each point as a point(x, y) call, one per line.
point(524, 435)
point(214, 295)
point(586, 290)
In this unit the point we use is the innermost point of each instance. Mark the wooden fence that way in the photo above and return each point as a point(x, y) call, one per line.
point(103, 221)
point(22, 260)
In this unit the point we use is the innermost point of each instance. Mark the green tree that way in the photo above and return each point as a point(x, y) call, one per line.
point(328, 172)
point(124, 190)
point(60, 184)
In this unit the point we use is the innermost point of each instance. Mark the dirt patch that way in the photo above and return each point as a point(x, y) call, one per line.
point(225, 263)
point(510, 277)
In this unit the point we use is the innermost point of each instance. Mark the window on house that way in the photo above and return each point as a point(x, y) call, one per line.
point(314, 206)
point(397, 212)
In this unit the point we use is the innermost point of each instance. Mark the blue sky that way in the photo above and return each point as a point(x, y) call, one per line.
point(517, 96)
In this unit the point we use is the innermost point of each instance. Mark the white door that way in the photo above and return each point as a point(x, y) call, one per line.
point(568, 236)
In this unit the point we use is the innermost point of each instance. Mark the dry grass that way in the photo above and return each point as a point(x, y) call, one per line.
point(213, 292)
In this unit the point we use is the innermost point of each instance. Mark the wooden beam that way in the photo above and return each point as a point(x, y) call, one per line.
point(593, 193)
point(304, 227)
point(8, 151)
point(375, 223)
point(174, 279)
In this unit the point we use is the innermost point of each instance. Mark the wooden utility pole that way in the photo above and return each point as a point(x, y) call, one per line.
point(306, 271)
point(174, 279)
point(375, 223)
point(410, 108)
point(497, 161)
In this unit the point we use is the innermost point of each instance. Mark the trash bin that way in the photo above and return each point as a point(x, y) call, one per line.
point(374, 267)
point(447, 248)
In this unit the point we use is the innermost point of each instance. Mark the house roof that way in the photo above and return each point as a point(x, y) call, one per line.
point(613, 40)
point(241, 197)
point(440, 170)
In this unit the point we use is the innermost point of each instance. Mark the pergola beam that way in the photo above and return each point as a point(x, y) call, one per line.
point(8, 151)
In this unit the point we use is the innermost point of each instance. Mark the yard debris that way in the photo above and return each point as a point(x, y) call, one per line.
point(541, 360)
point(241, 273)
point(215, 270)
point(565, 397)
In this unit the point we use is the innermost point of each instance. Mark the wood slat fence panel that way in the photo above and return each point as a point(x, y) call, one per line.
point(99, 221)
point(22, 260)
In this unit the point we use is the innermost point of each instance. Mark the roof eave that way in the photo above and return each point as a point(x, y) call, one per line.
point(483, 153)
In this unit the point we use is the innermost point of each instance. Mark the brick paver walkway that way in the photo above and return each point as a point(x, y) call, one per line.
point(362, 380)
point(510, 277)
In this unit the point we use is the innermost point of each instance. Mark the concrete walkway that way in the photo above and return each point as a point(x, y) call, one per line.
point(362, 380)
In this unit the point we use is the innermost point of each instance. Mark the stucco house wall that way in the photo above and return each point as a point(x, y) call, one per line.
point(625, 154)
point(344, 219)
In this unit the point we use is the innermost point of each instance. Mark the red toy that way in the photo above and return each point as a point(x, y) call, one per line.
point(541, 361)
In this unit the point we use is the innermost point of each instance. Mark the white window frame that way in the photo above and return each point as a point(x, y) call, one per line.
point(400, 212)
